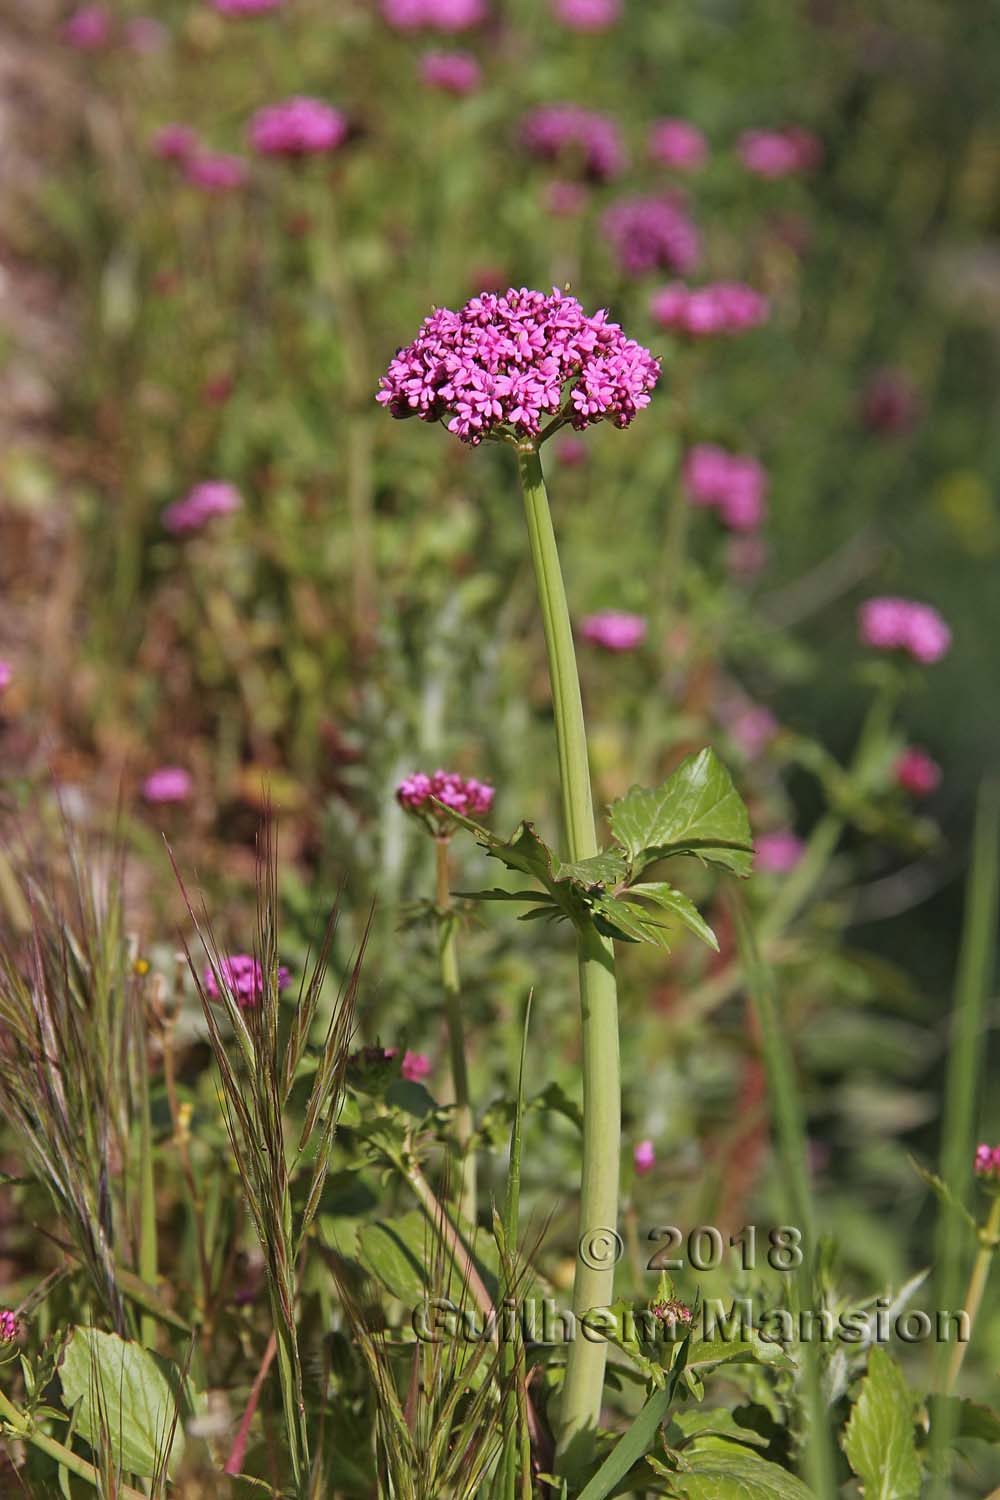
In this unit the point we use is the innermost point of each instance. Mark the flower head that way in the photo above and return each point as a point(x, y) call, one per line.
point(434, 15)
point(213, 497)
point(581, 140)
point(451, 72)
point(892, 624)
point(89, 28)
point(297, 127)
point(9, 1326)
point(916, 772)
point(987, 1163)
point(614, 630)
point(734, 484)
point(244, 979)
point(215, 172)
point(779, 153)
point(644, 1156)
point(722, 307)
point(415, 1067)
point(677, 144)
point(652, 234)
point(505, 363)
point(174, 142)
point(419, 792)
point(168, 784)
point(587, 15)
point(246, 7)
point(777, 853)
point(670, 1310)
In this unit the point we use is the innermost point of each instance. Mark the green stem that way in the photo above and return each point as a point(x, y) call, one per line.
point(977, 1285)
point(594, 1283)
point(148, 1268)
point(448, 954)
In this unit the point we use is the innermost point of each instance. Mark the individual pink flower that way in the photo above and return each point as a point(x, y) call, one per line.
point(987, 1162)
point(644, 1156)
point(168, 784)
point(89, 28)
point(415, 1067)
point(215, 172)
point(145, 35)
point(504, 365)
point(210, 498)
point(6, 674)
point(298, 127)
point(652, 234)
point(9, 1326)
point(419, 792)
point(777, 853)
point(434, 15)
point(582, 141)
point(174, 142)
point(916, 772)
point(452, 72)
point(889, 404)
point(614, 630)
point(892, 624)
point(677, 144)
point(246, 7)
point(734, 484)
point(779, 153)
point(722, 307)
point(587, 15)
point(243, 977)
point(564, 200)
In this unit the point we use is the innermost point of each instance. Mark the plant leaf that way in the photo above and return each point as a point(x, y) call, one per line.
point(696, 811)
point(716, 1469)
point(880, 1437)
point(678, 905)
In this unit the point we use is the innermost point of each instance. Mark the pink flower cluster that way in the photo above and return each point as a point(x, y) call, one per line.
point(777, 853)
point(297, 127)
point(168, 784)
point(779, 153)
point(6, 673)
point(213, 497)
point(752, 727)
point(215, 172)
point(174, 142)
point(578, 138)
point(246, 7)
point(652, 234)
point(587, 15)
point(614, 630)
point(677, 144)
point(9, 1326)
point(452, 72)
point(734, 484)
point(916, 772)
point(464, 794)
point(699, 312)
point(415, 1067)
point(435, 15)
point(893, 624)
point(502, 364)
point(243, 977)
point(987, 1162)
point(644, 1156)
point(89, 28)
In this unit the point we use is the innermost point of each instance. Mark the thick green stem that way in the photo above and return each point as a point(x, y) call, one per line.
point(594, 1282)
point(977, 1286)
point(448, 954)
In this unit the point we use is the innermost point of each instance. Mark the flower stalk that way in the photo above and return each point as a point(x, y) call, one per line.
point(450, 983)
point(594, 1280)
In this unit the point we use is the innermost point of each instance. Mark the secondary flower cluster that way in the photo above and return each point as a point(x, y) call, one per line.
point(212, 171)
point(777, 853)
point(575, 137)
point(213, 497)
point(987, 1163)
point(451, 72)
point(464, 794)
point(652, 233)
point(297, 127)
point(700, 312)
point(893, 624)
point(677, 144)
point(779, 153)
point(614, 630)
point(734, 484)
point(167, 784)
point(243, 977)
point(435, 15)
point(500, 367)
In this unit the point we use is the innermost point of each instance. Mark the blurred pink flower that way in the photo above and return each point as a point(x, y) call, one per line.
point(145, 34)
point(892, 624)
point(415, 1067)
point(168, 784)
point(6, 674)
point(753, 727)
point(213, 497)
point(644, 1156)
point(435, 15)
point(987, 1162)
point(652, 234)
point(779, 153)
point(89, 28)
point(587, 15)
point(582, 141)
point(464, 794)
point(246, 7)
point(721, 307)
point(451, 72)
point(297, 127)
point(735, 484)
point(677, 144)
point(244, 978)
point(174, 142)
point(614, 630)
point(889, 404)
point(215, 172)
point(916, 772)
point(777, 853)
